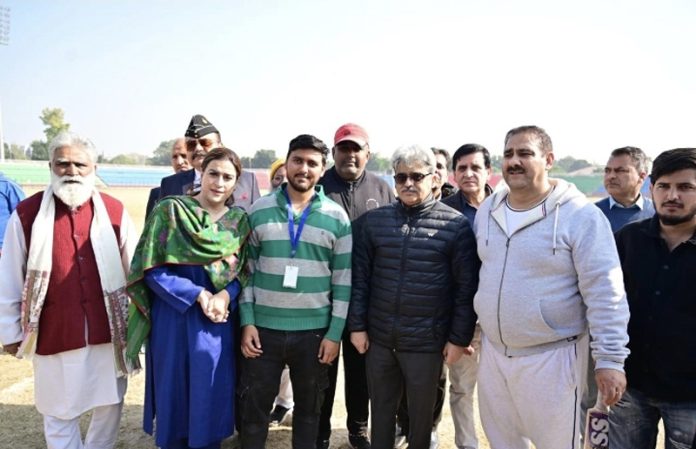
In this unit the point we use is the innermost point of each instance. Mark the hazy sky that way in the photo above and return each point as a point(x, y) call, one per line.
point(128, 74)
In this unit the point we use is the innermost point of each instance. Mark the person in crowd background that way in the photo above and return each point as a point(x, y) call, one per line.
point(471, 164)
point(357, 190)
point(624, 176)
point(179, 161)
point(441, 186)
point(277, 174)
point(283, 403)
point(202, 136)
point(10, 195)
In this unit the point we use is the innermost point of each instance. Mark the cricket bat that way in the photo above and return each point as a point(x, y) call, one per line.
point(597, 426)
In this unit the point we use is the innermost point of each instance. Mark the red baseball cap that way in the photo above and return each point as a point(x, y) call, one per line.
point(354, 133)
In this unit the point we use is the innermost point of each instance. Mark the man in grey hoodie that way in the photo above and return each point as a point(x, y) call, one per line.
point(550, 272)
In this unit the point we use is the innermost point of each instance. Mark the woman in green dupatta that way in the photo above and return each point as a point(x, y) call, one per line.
point(188, 269)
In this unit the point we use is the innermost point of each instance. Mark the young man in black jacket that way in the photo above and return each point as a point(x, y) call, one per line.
point(658, 257)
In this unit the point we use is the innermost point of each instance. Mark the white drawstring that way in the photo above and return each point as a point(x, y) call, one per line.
point(555, 225)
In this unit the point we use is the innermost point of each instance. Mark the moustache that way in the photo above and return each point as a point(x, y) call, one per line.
point(71, 179)
point(515, 170)
point(672, 203)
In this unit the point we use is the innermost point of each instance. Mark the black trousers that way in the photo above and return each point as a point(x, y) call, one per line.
point(261, 378)
point(402, 414)
point(389, 375)
point(356, 394)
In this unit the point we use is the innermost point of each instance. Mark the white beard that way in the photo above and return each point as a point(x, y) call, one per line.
point(73, 194)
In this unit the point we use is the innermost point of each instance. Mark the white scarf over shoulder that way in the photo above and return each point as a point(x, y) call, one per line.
point(109, 265)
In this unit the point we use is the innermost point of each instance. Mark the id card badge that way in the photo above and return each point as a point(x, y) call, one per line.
point(290, 278)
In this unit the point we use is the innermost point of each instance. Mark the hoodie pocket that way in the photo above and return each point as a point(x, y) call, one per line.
point(565, 317)
point(524, 325)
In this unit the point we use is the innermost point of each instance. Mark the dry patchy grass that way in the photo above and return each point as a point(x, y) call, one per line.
point(21, 425)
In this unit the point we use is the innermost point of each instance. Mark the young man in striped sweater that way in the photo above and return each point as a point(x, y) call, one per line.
point(295, 309)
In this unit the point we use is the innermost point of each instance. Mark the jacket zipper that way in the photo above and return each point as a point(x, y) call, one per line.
point(500, 293)
point(401, 276)
point(351, 199)
point(502, 276)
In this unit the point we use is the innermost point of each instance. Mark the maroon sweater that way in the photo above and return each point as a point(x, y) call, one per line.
point(74, 296)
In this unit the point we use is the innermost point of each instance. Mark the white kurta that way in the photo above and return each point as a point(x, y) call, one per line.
point(71, 382)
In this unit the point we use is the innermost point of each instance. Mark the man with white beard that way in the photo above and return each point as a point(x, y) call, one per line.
point(63, 301)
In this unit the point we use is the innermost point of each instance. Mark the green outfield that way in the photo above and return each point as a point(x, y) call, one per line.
point(23, 173)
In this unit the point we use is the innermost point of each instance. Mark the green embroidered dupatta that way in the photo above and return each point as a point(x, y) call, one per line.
point(180, 232)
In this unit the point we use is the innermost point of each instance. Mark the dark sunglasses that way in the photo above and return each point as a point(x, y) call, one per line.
point(401, 178)
point(192, 143)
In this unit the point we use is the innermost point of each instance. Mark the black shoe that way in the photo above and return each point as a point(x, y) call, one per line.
point(277, 415)
point(323, 444)
point(359, 441)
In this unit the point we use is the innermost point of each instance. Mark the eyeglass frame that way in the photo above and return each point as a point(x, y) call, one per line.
point(413, 176)
point(190, 141)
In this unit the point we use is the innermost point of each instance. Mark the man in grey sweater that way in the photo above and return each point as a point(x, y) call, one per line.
point(550, 272)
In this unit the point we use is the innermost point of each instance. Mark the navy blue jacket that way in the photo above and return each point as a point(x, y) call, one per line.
point(415, 273)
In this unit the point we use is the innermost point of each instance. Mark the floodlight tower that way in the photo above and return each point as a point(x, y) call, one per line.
point(4, 40)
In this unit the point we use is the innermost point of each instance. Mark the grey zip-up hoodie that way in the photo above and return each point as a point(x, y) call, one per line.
point(541, 286)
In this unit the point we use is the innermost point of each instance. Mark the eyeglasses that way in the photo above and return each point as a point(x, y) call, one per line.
point(192, 143)
point(401, 178)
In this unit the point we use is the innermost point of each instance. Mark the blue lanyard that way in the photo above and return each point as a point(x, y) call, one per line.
point(295, 237)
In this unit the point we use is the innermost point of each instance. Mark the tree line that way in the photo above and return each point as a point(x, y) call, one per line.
point(54, 122)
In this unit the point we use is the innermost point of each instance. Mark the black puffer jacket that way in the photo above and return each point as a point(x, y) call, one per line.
point(415, 272)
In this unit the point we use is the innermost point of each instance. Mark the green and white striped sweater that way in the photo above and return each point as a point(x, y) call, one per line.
point(323, 258)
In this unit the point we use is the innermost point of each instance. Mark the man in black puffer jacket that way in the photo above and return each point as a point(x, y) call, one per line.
point(415, 272)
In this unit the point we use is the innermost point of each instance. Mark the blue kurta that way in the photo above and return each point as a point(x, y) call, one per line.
point(190, 361)
point(10, 195)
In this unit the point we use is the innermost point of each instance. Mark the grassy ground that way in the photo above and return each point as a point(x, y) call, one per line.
point(134, 198)
point(21, 424)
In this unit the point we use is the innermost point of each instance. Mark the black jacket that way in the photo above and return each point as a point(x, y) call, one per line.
point(366, 193)
point(415, 272)
point(662, 300)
